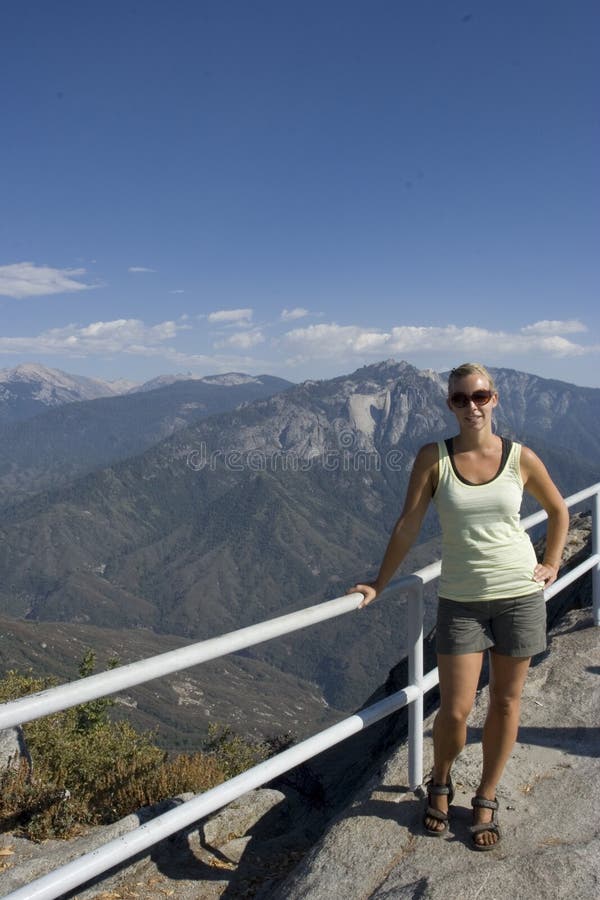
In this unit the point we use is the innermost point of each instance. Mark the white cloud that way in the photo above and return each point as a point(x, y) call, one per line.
point(130, 336)
point(230, 316)
point(238, 342)
point(327, 341)
point(25, 279)
point(554, 327)
point(140, 269)
point(559, 346)
point(297, 313)
point(178, 291)
point(242, 340)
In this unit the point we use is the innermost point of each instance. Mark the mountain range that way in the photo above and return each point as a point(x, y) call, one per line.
point(30, 388)
point(66, 440)
point(251, 512)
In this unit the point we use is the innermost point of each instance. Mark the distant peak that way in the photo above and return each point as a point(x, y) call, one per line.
point(231, 378)
point(228, 379)
point(29, 371)
point(53, 386)
point(387, 368)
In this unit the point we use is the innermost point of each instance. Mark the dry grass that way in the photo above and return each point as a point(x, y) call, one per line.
point(88, 770)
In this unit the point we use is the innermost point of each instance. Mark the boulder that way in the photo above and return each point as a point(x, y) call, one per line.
point(13, 749)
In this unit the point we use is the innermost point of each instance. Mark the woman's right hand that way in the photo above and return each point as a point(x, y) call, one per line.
point(368, 590)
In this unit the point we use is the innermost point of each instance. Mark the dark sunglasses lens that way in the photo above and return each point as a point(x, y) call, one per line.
point(479, 398)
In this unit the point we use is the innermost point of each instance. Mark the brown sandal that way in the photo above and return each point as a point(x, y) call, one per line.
point(492, 827)
point(437, 790)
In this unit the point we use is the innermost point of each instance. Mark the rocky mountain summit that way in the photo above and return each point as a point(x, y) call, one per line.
point(30, 388)
point(228, 379)
point(376, 408)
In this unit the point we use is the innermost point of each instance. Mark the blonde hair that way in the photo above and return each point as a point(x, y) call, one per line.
point(470, 368)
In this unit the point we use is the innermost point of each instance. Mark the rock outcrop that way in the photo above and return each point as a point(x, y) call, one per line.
point(548, 803)
point(13, 749)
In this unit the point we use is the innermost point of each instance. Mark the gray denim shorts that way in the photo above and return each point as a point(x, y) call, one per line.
point(512, 627)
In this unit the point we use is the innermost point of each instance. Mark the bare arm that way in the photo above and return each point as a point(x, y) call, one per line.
point(421, 485)
point(538, 483)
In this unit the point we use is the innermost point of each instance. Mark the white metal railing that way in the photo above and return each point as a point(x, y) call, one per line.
point(75, 873)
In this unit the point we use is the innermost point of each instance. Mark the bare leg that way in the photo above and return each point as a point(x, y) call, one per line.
point(507, 677)
point(459, 676)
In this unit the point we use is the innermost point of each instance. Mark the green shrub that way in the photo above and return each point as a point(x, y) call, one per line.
point(235, 754)
point(88, 770)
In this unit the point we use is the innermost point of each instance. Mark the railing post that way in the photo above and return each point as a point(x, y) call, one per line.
point(415, 677)
point(596, 549)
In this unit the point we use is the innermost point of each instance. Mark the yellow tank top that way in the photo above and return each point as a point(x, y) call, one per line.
point(486, 554)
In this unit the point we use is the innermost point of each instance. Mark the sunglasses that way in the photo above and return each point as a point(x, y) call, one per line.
point(479, 398)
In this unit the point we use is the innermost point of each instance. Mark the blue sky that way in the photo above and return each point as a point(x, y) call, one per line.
point(299, 187)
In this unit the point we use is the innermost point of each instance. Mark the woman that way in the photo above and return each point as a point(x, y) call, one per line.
point(491, 586)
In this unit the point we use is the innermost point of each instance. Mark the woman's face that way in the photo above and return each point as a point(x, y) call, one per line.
point(473, 416)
